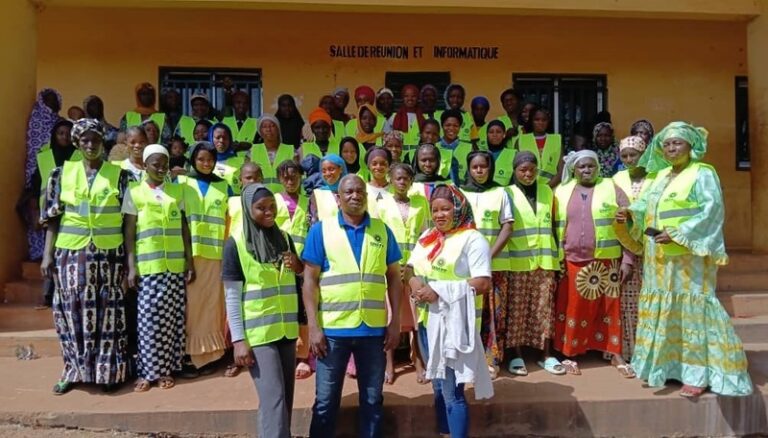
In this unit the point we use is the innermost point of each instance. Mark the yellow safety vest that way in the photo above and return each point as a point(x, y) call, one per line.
point(549, 157)
point(45, 165)
point(270, 299)
point(411, 138)
point(351, 128)
point(604, 208)
point(244, 134)
point(350, 294)
point(486, 208)
point(235, 212)
point(444, 268)
point(509, 124)
point(229, 171)
point(674, 207)
point(260, 156)
point(186, 129)
point(504, 170)
point(460, 153)
point(622, 179)
point(482, 137)
point(132, 118)
point(408, 232)
point(312, 148)
point(466, 128)
point(207, 217)
point(298, 225)
point(532, 245)
point(91, 211)
point(159, 242)
point(338, 131)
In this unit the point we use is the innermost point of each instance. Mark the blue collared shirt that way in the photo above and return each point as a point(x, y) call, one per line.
point(314, 253)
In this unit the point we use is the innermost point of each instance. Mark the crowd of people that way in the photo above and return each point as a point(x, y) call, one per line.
point(175, 245)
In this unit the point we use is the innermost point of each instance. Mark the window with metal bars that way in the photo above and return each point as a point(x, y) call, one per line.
point(574, 100)
point(742, 124)
point(396, 80)
point(191, 80)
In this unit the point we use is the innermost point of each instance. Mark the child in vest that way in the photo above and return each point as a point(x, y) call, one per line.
point(136, 139)
point(178, 163)
point(206, 200)
point(159, 255)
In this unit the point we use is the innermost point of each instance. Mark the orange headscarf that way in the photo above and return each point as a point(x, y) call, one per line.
point(144, 110)
point(364, 137)
point(318, 114)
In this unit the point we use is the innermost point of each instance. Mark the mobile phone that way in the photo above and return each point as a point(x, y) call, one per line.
point(653, 232)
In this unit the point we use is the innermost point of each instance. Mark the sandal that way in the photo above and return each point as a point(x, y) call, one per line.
point(188, 371)
point(421, 377)
point(517, 367)
point(232, 370)
point(626, 371)
point(691, 392)
point(493, 371)
point(166, 382)
point(571, 367)
point(303, 371)
point(553, 366)
point(142, 385)
point(61, 387)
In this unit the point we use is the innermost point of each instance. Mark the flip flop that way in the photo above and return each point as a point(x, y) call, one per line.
point(421, 377)
point(626, 371)
point(166, 382)
point(232, 370)
point(142, 385)
point(553, 366)
point(691, 392)
point(517, 367)
point(571, 367)
point(303, 370)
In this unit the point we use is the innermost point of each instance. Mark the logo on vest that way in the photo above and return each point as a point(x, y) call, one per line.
point(672, 195)
point(217, 203)
point(377, 241)
point(174, 214)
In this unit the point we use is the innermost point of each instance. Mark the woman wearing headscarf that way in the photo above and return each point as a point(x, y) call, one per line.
point(273, 151)
point(502, 151)
point(368, 133)
point(606, 148)
point(45, 114)
point(385, 105)
point(228, 161)
point(428, 101)
point(324, 203)
point(290, 121)
point(409, 118)
point(426, 165)
point(353, 154)
point(480, 106)
point(84, 254)
point(448, 272)
point(492, 210)
point(533, 262)
point(393, 142)
point(643, 129)
point(588, 307)
point(683, 332)
point(320, 141)
point(454, 100)
point(364, 95)
point(260, 259)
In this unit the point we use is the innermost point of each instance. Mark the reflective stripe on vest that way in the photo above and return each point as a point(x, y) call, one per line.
point(411, 138)
point(406, 233)
point(206, 216)
point(270, 300)
point(504, 168)
point(91, 212)
point(246, 133)
point(260, 156)
point(350, 294)
point(532, 245)
point(297, 226)
point(675, 206)
point(486, 208)
point(132, 118)
point(549, 157)
point(604, 208)
point(444, 268)
point(159, 242)
point(623, 180)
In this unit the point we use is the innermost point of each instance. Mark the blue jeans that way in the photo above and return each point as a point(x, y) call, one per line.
point(450, 405)
point(370, 362)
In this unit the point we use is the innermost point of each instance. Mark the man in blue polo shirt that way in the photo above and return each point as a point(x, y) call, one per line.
point(351, 266)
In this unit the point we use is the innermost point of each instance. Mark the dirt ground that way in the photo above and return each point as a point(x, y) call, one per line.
point(19, 431)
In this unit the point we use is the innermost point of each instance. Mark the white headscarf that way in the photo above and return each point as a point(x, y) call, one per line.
point(154, 149)
point(572, 159)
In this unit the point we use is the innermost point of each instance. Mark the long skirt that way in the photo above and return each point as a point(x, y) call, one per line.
point(160, 325)
point(683, 332)
point(206, 340)
point(588, 308)
point(89, 314)
point(494, 322)
point(531, 304)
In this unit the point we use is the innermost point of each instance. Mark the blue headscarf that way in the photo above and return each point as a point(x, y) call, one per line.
point(337, 160)
point(481, 100)
point(222, 156)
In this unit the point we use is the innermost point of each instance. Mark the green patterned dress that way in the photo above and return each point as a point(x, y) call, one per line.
point(684, 333)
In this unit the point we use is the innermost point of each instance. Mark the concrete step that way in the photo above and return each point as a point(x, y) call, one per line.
point(745, 261)
point(31, 271)
point(751, 330)
point(45, 343)
point(742, 281)
point(23, 292)
point(745, 304)
point(24, 317)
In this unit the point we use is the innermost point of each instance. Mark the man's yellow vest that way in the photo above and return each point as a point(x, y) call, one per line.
point(443, 268)
point(207, 217)
point(532, 245)
point(91, 212)
point(549, 158)
point(604, 208)
point(674, 207)
point(622, 179)
point(406, 233)
point(270, 299)
point(486, 208)
point(229, 171)
point(159, 242)
point(298, 225)
point(132, 118)
point(246, 133)
point(260, 156)
point(326, 204)
point(504, 167)
point(45, 165)
point(350, 294)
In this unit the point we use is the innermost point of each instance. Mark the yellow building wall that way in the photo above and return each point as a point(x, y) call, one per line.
point(17, 88)
point(660, 70)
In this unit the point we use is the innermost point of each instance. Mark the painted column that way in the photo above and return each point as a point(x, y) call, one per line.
point(757, 60)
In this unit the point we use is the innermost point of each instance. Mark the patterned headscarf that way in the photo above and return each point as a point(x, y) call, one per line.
point(609, 157)
point(462, 218)
point(642, 123)
point(633, 142)
point(80, 127)
point(362, 136)
point(653, 159)
point(41, 121)
point(572, 159)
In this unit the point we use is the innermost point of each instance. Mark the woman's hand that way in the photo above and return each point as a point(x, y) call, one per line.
point(625, 272)
point(243, 354)
point(176, 171)
point(317, 343)
point(662, 237)
point(425, 294)
point(190, 275)
point(415, 283)
point(46, 266)
point(622, 214)
point(132, 276)
point(292, 262)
